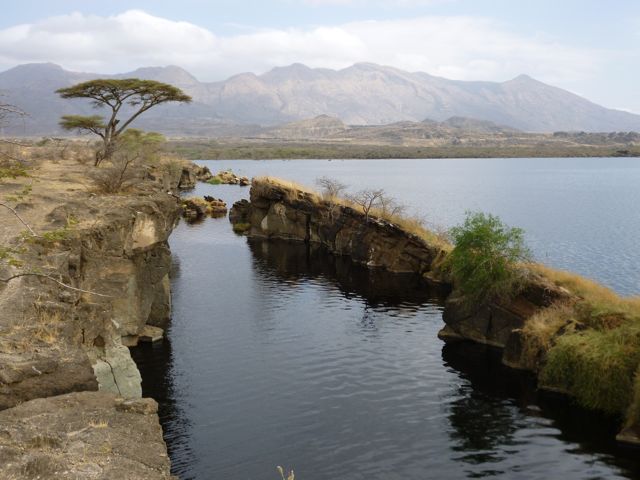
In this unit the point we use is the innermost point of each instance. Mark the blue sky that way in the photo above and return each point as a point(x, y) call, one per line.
point(589, 47)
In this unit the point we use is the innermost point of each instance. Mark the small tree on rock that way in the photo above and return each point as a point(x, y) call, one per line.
point(138, 95)
point(367, 199)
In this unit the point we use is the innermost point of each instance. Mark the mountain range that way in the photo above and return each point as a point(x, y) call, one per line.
point(363, 94)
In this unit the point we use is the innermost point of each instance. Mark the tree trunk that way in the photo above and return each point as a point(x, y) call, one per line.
point(106, 152)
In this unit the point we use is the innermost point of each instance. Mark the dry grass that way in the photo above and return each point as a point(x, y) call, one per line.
point(596, 367)
point(42, 329)
point(540, 331)
point(588, 289)
point(598, 362)
point(99, 424)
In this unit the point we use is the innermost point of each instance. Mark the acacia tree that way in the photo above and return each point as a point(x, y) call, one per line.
point(138, 95)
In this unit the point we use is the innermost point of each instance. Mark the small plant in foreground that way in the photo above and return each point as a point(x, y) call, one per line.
point(289, 476)
point(485, 262)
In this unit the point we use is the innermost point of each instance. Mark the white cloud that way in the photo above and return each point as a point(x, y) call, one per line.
point(377, 3)
point(451, 46)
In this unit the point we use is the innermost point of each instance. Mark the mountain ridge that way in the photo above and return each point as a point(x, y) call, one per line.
point(361, 94)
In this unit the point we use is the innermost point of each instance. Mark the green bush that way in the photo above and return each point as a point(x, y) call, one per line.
point(485, 259)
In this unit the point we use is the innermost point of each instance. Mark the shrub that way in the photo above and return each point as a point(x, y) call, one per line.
point(367, 200)
point(597, 367)
point(485, 259)
point(330, 188)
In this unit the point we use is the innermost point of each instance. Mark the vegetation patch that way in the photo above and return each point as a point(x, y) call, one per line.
point(241, 228)
point(597, 367)
point(486, 261)
point(13, 171)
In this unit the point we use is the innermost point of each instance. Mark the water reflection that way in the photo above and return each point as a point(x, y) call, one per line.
point(499, 411)
point(155, 363)
point(296, 263)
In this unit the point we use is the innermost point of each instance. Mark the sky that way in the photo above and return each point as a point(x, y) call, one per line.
point(589, 47)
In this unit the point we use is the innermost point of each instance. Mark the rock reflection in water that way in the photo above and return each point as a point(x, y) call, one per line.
point(497, 404)
point(297, 262)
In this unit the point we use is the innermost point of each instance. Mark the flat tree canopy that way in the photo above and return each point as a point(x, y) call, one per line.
point(138, 94)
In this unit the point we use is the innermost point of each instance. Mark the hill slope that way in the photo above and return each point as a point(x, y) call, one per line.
point(364, 94)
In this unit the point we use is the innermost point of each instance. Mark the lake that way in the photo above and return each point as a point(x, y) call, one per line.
point(282, 355)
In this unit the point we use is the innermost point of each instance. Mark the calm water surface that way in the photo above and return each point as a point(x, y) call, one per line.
point(282, 355)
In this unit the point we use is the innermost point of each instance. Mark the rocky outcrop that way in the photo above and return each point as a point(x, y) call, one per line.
point(278, 211)
point(192, 173)
point(281, 210)
point(119, 263)
point(83, 435)
point(112, 254)
point(499, 323)
point(227, 177)
point(195, 208)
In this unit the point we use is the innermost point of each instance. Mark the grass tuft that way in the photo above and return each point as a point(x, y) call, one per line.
point(597, 367)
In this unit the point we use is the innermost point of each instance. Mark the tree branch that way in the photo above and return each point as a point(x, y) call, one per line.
point(55, 280)
point(19, 218)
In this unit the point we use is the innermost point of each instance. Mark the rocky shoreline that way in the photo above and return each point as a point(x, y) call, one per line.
point(278, 209)
point(58, 343)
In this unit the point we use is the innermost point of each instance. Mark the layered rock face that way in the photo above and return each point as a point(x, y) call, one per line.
point(97, 280)
point(122, 265)
point(499, 323)
point(276, 211)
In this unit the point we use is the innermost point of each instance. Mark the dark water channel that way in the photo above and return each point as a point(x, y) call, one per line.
point(280, 354)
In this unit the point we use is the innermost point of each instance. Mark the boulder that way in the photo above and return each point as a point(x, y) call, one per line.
point(83, 435)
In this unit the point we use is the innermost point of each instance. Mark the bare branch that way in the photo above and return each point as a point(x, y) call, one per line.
point(19, 218)
point(55, 280)
point(367, 199)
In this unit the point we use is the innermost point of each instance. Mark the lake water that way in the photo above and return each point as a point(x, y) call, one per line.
point(282, 355)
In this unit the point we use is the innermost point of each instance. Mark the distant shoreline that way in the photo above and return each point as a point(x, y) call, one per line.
point(263, 150)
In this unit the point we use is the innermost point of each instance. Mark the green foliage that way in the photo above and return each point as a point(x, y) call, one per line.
point(484, 262)
point(13, 171)
point(141, 144)
point(214, 181)
point(132, 91)
point(597, 367)
point(241, 228)
point(140, 95)
point(59, 234)
point(7, 256)
point(92, 123)
point(56, 235)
